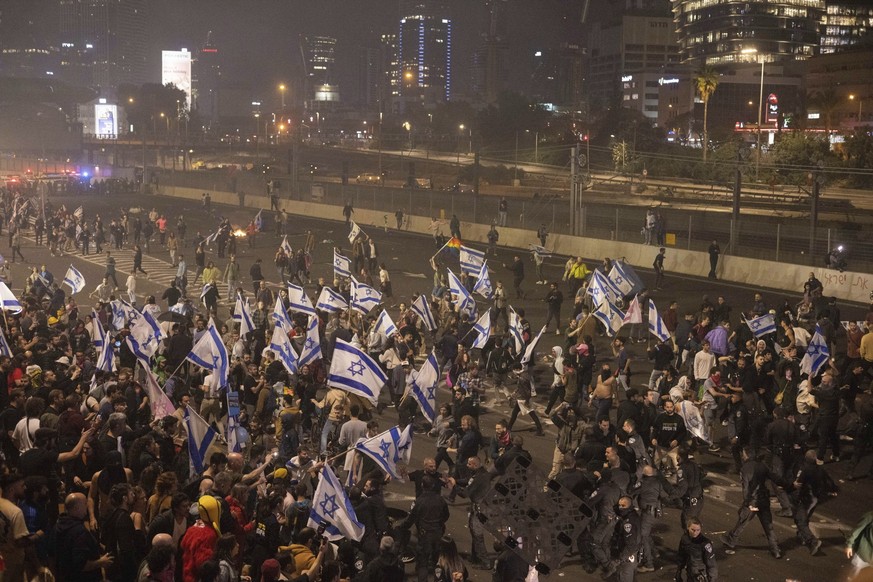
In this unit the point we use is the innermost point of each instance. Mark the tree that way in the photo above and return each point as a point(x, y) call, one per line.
point(706, 81)
point(826, 101)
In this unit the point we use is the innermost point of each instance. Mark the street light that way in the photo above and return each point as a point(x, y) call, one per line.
point(860, 103)
point(282, 92)
point(753, 51)
point(460, 133)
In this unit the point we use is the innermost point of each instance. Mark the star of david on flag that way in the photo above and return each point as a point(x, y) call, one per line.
point(421, 307)
point(461, 297)
point(364, 298)
point(602, 290)
point(342, 266)
point(423, 387)
point(385, 325)
point(483, 282)
point(356, 372)
point(332, 507)
point(389, 448)
point(280, 316)
point(816, 356)
point(299, 301)
point(610, 316)
point(74, 279)
point(312, 344)
point(516, 330)
point(243, 314)
point(471, 260)
point(763, 325)
point(656, 324)
point(624, 278)
point(331, 301)
point(354, 232)
point(284, 350)
point(209, 353)
point(483, 329)
point(200, 438)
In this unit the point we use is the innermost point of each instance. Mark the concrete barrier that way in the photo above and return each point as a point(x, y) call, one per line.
point(847, 286)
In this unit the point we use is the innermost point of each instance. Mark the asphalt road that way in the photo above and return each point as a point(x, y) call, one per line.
point(406, 255)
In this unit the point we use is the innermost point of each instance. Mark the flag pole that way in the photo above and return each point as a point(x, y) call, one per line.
point(440, 250)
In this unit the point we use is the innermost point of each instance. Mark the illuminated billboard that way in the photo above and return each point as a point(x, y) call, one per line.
point(105, 121)
point(176, 70)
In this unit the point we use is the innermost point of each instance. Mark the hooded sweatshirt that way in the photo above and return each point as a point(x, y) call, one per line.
point(559, 365)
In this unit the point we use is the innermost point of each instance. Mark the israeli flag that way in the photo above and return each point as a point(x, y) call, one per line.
point(611, 317)
point(243, 314)
point(385, 325)
point(388, 449)
point(331, 301)
point(529, 350)
point(342, 266)
point(8, 301)
point(74, 279)
point(312, 344)
point(421, 307)
point(122, 313)
point(356, 372)
point(540, 250)
point(209, 353)
point(483, 328)
point(423, 387)
point(816, 356)
point(79, 213)
point(364, 298)
point(286, 247)
point(233, 428)
point(207, 242)
point(200, 438)
point(624, 278)
point(515, 330)
point(354, 233)
point(471, 260)
point(299, 301)
point(280, 316)
point(483, 283)
point(656, 324)
point(284, 350)
point(145, 336)
point(106, 359)
point(5, 350)
point(602, 290)
point(332, 508)
point(761, 326)
point(461, 297)
point(160, 403)
point(99, 334)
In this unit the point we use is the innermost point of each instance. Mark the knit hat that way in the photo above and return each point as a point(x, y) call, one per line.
point(270, 570)
point(210, 511)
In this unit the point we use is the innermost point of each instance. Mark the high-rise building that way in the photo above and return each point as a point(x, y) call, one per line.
point(207, 81)
point(103, 42)
point(717, 32)
point(319, 63)
point(558, 74)
point(846, 23)
point(369, 78)
point(28, 38)
point(390, 83)
point(424, 50)
point(490, 61)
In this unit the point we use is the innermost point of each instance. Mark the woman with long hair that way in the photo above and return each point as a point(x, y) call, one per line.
point(450, 567)
point(165, 486)
point(226, 554)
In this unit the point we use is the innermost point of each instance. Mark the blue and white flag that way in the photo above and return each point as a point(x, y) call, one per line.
point(540, 250)
point(280, 316)
point(284, 350)
point(624, 278)
point(423, 387)
point(342, 266)
point(331, 301)
point(464, 302)
point(145, 336)
point(207, 242)
point(259, 220)
point(233, 428)
point(206, 289)
point(299, 301)
point(8, 301)
point(159, 402)
point(354, 232)
point(106, 359)
point(74, 279)
point(529, 350)
point(200, 438)
point(122, 313)
point(761, 326)
point(471, 260)
point(611, 318)
point(421, 307)
point(312, 344)
point(356, 372)
point(483, 282)
point(388, 449)
point(656, 324)
point(243, 314)
point(99, 334)
point(364, 298)
point(211, 354)
point(483, 328)
point(286, 247)
point(385, 325)
point(602, 290)
point(332, 508)
point(816, 356)
point(516, 329)
point(5, 350)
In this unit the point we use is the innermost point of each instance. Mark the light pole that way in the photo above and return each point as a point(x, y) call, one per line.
point(860, 103)
point(282, 88)
point(760, 107)
point(460, 134)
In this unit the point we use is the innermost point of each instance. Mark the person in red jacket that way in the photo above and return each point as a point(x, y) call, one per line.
point(198, 544)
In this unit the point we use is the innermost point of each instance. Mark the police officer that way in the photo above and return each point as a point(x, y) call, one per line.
point(475, 488)
point(811, 485)
point(603, 501)
point(696, 555)
point(429, 514)
point(652, 489)
point(756, 501)
point(739, 429)
point(689, 488)
point(782, 438)
point(636, 445)
point(627, 540)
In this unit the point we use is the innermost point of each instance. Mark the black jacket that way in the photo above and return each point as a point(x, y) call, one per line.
point(74, 547)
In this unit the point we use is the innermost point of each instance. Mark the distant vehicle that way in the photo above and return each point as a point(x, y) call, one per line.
point(368, 179)
point(463, 188)
point(418, 183)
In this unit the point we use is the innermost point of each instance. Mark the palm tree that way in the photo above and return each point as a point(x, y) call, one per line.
point(706, 81)
point(826, 101)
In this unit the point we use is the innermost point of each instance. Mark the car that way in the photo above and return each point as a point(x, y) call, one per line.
point(367, 179)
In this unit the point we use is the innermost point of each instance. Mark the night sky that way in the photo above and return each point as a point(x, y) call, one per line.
point(258, 38)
